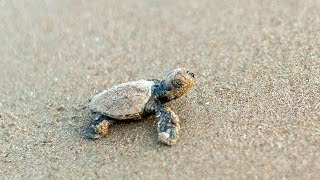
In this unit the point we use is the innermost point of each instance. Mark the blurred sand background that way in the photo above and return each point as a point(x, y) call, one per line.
point(254, 113)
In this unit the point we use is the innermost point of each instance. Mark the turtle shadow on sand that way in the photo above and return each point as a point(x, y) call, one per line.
point(121, 131)
point(124, 131)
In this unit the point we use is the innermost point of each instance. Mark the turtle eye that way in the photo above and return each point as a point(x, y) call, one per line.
point(190, 73)
point(177, 83)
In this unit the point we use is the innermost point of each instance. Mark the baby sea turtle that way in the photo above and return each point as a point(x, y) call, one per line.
point(137, 99)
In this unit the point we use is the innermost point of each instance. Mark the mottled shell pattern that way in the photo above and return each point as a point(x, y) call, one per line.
point(125, 101)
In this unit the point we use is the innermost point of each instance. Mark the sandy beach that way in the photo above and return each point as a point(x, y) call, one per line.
point(254, 112)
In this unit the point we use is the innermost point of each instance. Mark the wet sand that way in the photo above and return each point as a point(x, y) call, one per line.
point(254, 112)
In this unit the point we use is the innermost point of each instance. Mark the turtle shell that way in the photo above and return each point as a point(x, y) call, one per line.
point(125, 101)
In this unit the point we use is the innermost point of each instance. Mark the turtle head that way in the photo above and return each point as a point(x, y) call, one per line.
point(178, 82)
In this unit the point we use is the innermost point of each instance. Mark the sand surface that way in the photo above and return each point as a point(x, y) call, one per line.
point(254, 113)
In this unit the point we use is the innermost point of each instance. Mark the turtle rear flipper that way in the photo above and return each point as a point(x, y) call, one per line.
point(91, 134)
point(99, 126)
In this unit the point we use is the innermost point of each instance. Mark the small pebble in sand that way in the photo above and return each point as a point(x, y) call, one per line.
point(61, 107)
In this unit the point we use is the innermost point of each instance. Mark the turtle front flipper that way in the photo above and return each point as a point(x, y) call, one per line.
point(98, 127)
point(168, 125)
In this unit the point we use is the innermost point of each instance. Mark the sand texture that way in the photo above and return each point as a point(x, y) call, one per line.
point(253, 113)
